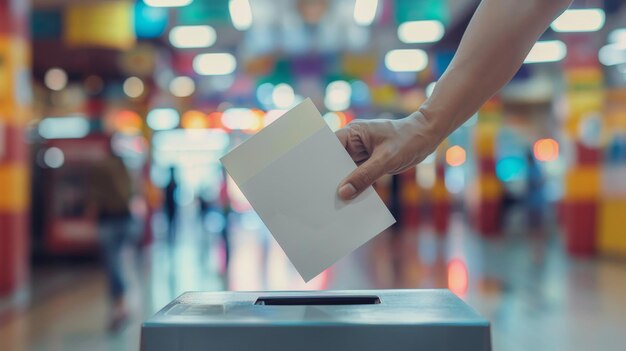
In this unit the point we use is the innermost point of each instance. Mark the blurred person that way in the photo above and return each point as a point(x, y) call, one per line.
point(111, 192)
point(224, 200)
point(535, 197)
point(153, 197)
point(204, 204)
point(170, 206)
point(494, 46)
point(205, 207)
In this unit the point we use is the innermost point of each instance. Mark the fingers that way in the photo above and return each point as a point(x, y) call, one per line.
point(369, 169)
point(342, 135)
point(361, 178)
point(353, 139)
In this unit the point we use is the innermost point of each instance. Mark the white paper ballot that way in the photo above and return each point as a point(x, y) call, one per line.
point(289, 172)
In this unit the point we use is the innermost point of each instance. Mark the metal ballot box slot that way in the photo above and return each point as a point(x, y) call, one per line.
point(317, 300)
point(317, 320)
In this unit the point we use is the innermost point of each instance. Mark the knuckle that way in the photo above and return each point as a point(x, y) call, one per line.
point(356, 127)
point(342, 135)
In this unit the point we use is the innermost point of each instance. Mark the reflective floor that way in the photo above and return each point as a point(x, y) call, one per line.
point(535, 296)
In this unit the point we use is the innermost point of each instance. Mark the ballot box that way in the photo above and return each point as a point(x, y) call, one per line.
point(390, 320)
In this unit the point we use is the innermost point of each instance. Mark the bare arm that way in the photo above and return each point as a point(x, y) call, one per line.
point(496, 42)
point(498, 38)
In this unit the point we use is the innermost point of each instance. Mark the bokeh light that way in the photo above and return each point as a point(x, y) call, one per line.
point(360, 93)
point(458, 277)
point(579, 20)
point(365, 11)
point(455, 156)
point(54, 157)
point(194, 120)
point(612, 54)
point(338, 94)
point(511, 169)
point(55, 79)
point(127, 122)
point(617, 35)
point(241, 119)
point(70, 127)
point(186, 37)
point(133, 87)
point(283, 96)
point(406, 60)
point(264, 93)
point(240, 14)
point(546, 150)
point(547, 51)
point(414, 32)
point(163, 118)
point(182, 86)
point(214, 64)
point(454, 180)
point(333, 121)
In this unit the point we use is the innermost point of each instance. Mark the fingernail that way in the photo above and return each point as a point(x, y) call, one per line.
point(347, 191)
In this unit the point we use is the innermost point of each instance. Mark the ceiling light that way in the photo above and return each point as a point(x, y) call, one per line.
point(184, 37)
point(420, 31)
point(406, 60)
point(547, 51)
point(240, 14)
point(214, 64)
point(579, 20)
point(365, 11)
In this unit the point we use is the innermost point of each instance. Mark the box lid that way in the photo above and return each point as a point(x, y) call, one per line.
point(306, 308)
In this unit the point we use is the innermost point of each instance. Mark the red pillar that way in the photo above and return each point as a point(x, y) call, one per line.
point(409, 200)
point(441, 206)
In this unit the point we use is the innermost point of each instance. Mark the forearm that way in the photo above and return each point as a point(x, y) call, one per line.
point(495, 44)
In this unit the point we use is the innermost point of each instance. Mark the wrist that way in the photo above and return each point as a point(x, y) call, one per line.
point(428, 125)
point(419, 136)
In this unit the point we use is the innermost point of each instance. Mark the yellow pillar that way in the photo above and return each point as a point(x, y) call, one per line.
point(612, 221)
point(15, 98)
point(488, 189)
point(585, 96)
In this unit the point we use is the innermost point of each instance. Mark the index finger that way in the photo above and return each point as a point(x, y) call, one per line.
point(342, 135)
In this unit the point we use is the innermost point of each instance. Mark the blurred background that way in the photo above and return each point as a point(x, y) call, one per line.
point(114, 114)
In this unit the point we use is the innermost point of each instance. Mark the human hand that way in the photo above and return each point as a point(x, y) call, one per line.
point(382, 147)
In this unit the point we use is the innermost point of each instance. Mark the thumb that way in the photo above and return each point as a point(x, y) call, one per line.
point(361, 178)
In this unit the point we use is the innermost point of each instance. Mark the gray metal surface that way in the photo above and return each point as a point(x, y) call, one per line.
point(403, 320)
